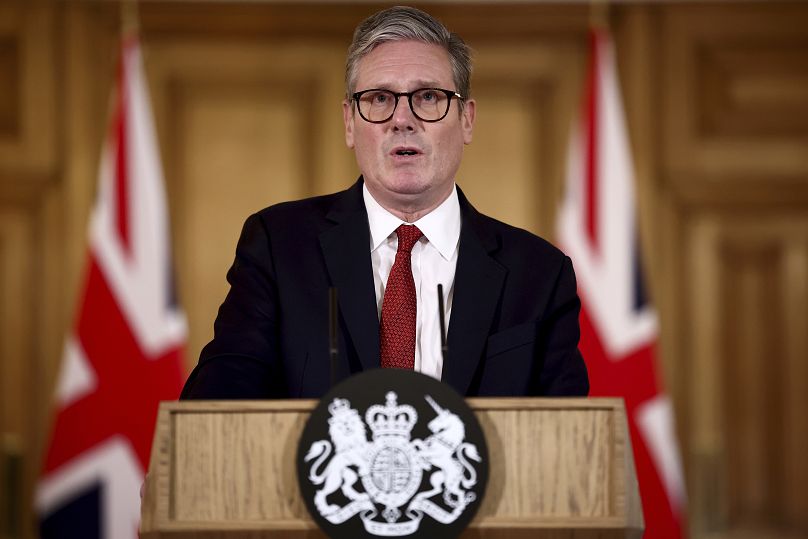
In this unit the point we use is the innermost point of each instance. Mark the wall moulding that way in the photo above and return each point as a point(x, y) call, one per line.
point(28, 140)
point(737, 90)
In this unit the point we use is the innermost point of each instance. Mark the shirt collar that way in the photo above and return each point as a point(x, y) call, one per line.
point(441, 226)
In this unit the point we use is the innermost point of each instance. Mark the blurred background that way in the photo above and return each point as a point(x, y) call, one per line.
point(246, 100)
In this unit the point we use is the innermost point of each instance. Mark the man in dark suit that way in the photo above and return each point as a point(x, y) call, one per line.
point(509, 297)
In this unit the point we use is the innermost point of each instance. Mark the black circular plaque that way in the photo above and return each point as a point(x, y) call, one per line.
point(392, 453)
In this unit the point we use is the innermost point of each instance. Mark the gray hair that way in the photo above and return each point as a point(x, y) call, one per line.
point(402, 23)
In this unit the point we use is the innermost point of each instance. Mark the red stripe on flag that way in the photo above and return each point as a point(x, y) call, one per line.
point(130, 383)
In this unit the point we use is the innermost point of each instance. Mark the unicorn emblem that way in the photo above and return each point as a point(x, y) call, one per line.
point(446, 451)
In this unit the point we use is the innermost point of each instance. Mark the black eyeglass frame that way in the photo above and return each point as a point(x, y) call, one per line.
point(449, 95)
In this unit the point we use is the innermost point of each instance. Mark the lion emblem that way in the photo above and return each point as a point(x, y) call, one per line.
point(349, 436)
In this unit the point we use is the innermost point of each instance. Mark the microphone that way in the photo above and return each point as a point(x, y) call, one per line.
point(333, 339)
point(444, 348)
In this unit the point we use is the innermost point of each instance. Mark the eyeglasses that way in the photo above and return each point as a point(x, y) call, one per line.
point(427, 104)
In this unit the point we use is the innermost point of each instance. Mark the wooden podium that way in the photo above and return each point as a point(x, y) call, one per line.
point(559, 468)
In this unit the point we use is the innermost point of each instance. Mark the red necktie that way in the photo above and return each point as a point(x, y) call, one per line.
point(397, 330)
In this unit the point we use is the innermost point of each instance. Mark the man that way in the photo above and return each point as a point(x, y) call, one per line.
point(386, 243)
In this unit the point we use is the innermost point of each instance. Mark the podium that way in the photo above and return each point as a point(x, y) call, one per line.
point(558, 468)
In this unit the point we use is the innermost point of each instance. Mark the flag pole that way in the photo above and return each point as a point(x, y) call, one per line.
point(129, 18)
point(598, 14)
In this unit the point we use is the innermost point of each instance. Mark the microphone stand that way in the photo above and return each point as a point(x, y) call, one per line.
point(333, 338)
point(444, 347)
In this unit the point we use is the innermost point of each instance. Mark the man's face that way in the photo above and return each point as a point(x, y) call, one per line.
point(405, 181)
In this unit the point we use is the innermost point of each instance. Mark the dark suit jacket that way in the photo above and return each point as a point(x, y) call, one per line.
point(513, 328)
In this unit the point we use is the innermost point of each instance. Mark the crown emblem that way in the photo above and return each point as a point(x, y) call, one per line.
point(391, 419)
point(341, 411)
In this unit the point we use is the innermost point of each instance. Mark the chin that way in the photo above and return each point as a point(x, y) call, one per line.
point(408, 186)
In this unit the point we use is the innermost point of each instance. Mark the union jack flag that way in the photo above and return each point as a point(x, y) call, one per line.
point(597, 228)
point(122, 356)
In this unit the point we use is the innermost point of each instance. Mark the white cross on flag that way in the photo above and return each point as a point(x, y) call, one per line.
point(122, 356)
point(597, 228)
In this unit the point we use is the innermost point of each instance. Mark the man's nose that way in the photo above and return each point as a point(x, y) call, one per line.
point(403, 118)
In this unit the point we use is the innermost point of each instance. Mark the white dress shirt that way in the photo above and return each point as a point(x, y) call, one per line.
point(434, 259)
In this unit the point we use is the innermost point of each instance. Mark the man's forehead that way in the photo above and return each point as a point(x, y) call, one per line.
point(411, 63)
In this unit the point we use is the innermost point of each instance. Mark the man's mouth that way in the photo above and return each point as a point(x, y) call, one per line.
point(404, 151)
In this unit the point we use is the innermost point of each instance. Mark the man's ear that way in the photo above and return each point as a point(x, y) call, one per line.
point(348, 119)
point(467, 119)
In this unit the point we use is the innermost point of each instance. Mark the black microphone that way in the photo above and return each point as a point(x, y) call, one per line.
point(333, 339)
point(444, 348)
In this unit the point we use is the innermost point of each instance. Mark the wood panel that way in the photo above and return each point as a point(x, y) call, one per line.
point(31, 330)
point(735, 194)
point(765, 400)
point(9, 92)
point(17, 365)
point(748, 302)
point(736, 98)
point(27, 104)
point(29, 149)
point(574, 450)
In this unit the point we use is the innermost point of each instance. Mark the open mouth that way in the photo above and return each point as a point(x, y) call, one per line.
point(405, 152)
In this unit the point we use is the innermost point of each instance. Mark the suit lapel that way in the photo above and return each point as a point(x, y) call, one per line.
point(478, 284)
point(477, 288)
point(346, 248)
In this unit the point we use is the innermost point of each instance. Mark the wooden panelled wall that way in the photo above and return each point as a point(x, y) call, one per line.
point(247, 103)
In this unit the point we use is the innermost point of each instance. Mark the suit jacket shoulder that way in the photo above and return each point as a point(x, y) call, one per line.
point(524, 329)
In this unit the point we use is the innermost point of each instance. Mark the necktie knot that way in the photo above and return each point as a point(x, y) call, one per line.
point(407, 236)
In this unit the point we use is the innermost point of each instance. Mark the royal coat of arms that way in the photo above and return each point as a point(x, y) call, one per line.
point(391, 480)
